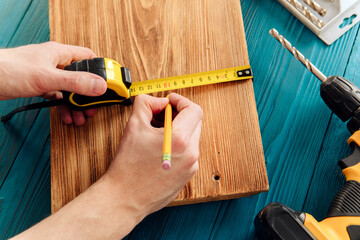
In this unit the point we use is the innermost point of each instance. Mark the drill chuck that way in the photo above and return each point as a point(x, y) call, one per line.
point(341, 96)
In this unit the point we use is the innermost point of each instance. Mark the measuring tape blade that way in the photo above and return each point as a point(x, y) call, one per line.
point(191, 80)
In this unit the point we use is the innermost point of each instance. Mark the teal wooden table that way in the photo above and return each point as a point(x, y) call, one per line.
point(302, 139)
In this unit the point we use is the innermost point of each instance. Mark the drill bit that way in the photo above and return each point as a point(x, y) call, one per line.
point(306, 12)
point(316, 6)
point(286, 44)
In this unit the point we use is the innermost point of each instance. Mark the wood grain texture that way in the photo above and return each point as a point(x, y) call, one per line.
point(157, 39)
point(287, 99)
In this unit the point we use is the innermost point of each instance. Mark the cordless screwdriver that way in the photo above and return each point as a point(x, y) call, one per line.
point(339, 94)
point(278, 221)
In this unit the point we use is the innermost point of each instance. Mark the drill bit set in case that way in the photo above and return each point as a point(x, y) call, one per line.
point(328, 19)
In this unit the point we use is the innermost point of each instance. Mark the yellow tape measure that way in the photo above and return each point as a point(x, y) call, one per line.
point(121, 89)
point(191, 80)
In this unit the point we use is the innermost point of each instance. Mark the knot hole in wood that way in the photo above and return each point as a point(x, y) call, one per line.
point(216, 177)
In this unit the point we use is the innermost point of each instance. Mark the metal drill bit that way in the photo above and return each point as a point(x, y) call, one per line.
point(286, 44)
point(316, 6)
point(306, 12)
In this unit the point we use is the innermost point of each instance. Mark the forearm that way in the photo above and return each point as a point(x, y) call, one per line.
point(98, 213)
point(4, 77)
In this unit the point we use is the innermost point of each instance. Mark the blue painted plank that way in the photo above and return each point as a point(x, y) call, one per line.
point(32, 27)
point(24, 151)
point(22, 183)
point(11, 137)
point(293, 119)
point(11, 15)
point(182, 222)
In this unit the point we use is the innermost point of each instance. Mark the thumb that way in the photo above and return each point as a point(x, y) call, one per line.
point(146, 106)
point(83, 83)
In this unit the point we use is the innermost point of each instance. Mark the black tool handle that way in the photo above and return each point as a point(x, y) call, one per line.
point(347, 200)
point(341, 96)
point(354, 123)
point(279, 222)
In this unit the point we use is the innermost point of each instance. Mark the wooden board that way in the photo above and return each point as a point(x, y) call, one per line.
point(156, 39)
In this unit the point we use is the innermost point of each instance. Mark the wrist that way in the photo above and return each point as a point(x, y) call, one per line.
point(3, 80)
point(113, 209)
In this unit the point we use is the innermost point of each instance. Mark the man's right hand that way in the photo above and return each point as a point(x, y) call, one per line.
point(135, 185)
point(136, 169)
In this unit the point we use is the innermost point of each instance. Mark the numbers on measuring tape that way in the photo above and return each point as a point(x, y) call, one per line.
point(191, 80)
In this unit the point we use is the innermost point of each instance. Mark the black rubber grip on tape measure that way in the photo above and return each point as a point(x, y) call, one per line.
point(341, 96)
point(95, 65)
point(347, 201)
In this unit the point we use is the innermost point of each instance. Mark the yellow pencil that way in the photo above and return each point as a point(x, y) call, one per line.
point(166, 156)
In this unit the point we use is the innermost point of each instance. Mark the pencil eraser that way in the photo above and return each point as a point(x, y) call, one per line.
point(166, 164)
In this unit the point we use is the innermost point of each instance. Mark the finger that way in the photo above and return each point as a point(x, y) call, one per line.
point(83, 83)
point(63, 110)
point(52, 95)
point(65, 114)
point(90, 112)
point(191, 142)
point(146, 106)
point(195, 138)
point(67, 53)
point(189, 116)
point(78, 118)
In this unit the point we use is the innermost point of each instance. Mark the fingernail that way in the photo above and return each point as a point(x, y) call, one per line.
point(97, 86)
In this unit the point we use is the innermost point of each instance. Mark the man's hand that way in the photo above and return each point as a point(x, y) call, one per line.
point(36, 70)
point(136, 169)
point(135, 184)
